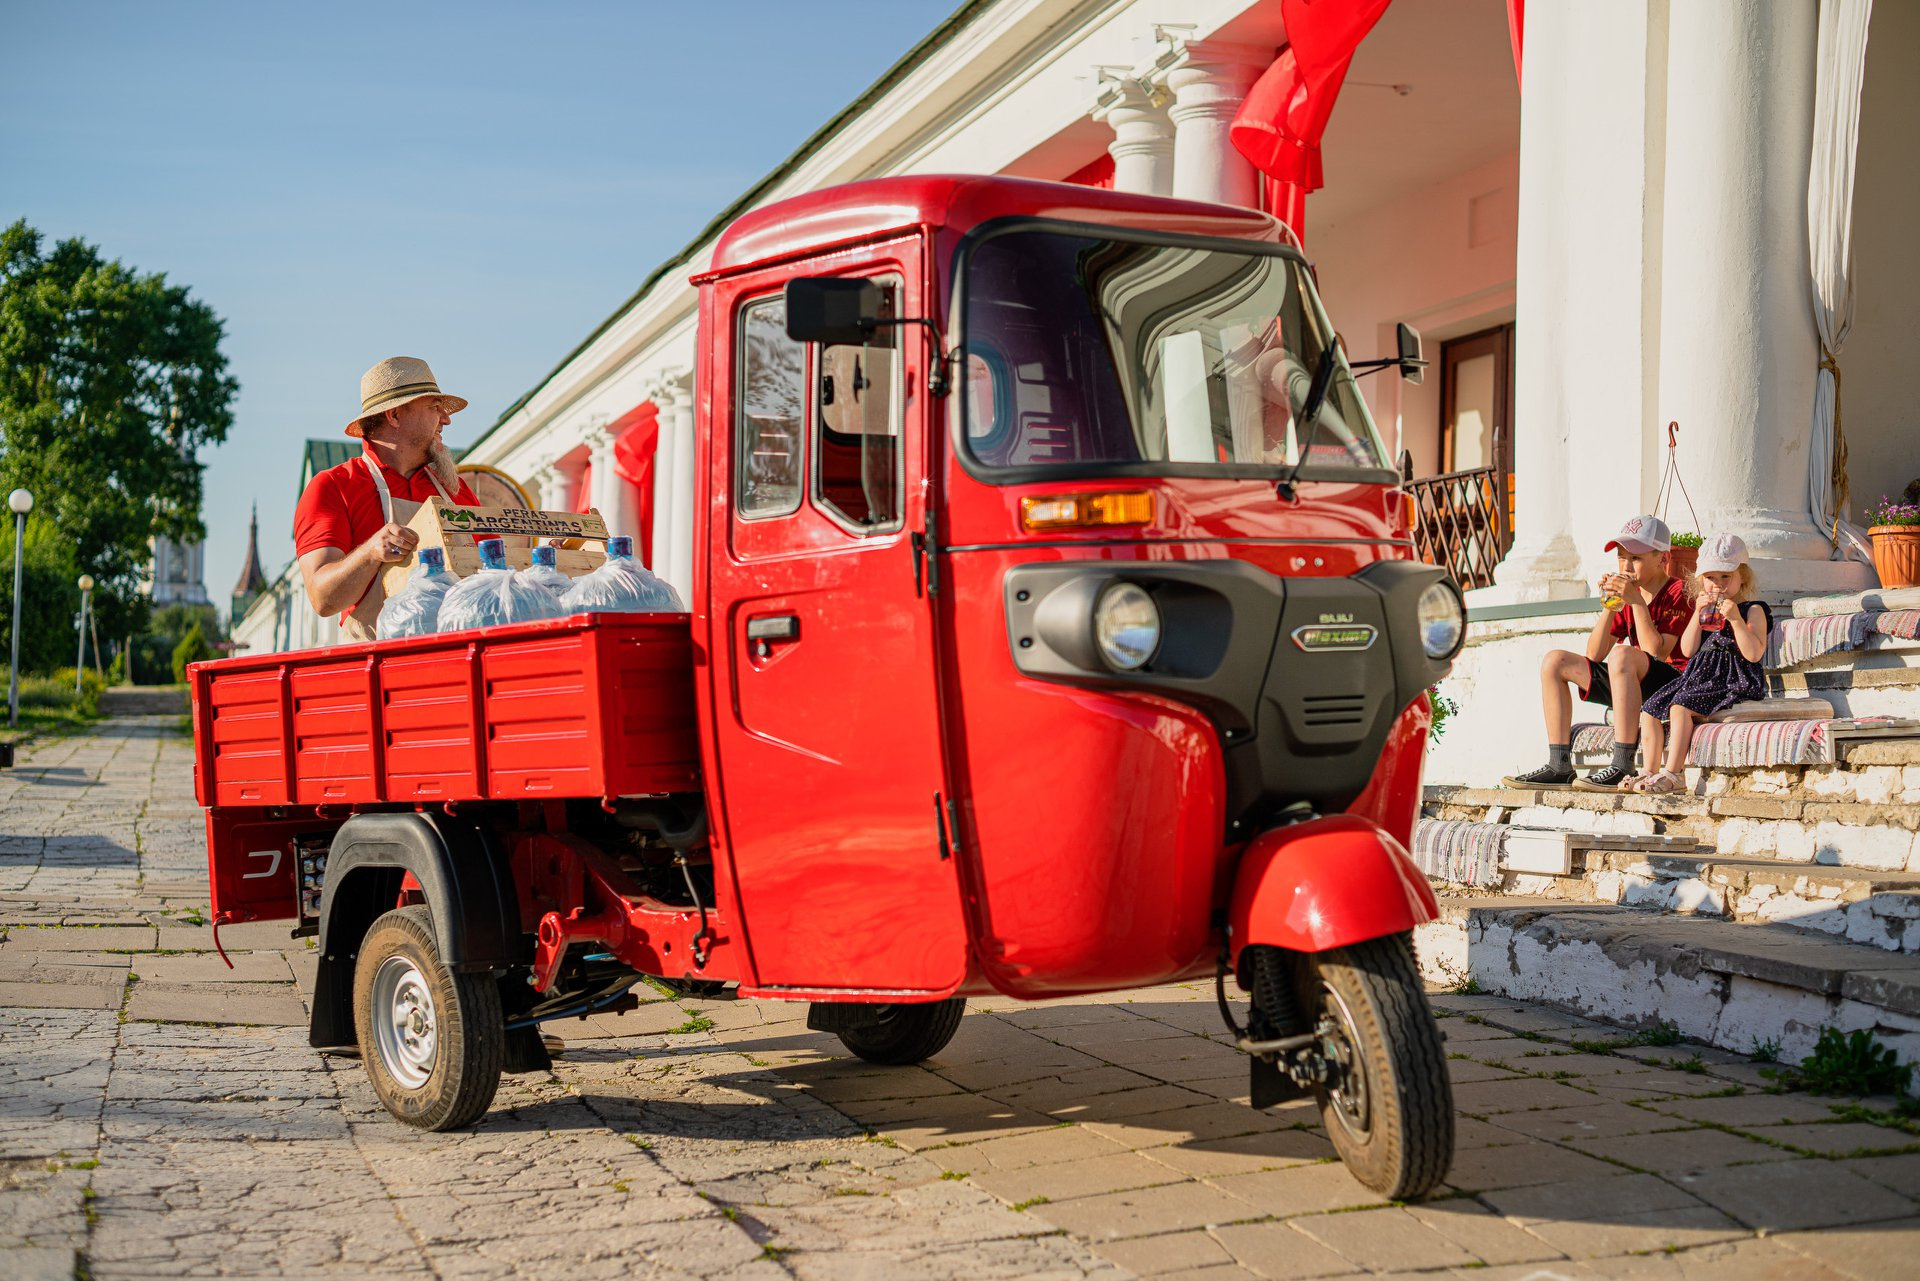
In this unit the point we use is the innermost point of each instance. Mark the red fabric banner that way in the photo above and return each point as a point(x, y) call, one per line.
point(1280, 124)
point(1516, 23)
point(635, 436)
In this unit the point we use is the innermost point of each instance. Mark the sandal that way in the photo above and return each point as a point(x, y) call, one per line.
point(1664, 783)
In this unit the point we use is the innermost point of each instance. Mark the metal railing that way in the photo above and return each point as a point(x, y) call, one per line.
point(1460, 522)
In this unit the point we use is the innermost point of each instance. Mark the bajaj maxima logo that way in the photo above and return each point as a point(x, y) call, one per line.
point(1335, 632)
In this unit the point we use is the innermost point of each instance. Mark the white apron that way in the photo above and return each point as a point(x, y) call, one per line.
point(359, 623)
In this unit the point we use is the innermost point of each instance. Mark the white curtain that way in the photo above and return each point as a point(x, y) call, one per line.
point(1842, 64)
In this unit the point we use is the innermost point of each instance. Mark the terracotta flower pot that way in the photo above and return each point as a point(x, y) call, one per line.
point(1896, 554)
point(1682, 560)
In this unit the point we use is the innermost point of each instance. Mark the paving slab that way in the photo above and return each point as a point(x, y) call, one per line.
point(59, 996)
point(258, 1004)
point(1878, 1250)
point(1384, 1239)
point(1783, 1196)
point(1680, 1151)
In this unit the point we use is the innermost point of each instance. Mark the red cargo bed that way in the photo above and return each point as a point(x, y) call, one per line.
point(596, 705)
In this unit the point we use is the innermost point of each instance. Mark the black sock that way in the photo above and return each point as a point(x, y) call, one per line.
point(1623, 754)
point(1560, 755)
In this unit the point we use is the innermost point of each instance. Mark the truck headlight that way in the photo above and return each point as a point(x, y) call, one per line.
point(1443, 621)
point(1126, 626)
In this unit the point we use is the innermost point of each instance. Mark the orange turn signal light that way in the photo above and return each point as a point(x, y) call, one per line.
point(1078, 511)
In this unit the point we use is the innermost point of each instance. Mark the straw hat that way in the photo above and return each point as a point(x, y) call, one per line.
point(395, 381)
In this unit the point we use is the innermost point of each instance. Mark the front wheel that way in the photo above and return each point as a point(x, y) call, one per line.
point(1387, 1104)
point(433, 1041)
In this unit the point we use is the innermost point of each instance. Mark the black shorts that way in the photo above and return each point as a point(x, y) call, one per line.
point(1600, 685)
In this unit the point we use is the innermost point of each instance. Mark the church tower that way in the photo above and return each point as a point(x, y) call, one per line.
point(253, 579)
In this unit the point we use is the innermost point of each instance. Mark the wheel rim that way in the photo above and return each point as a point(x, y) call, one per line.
point(1347, 1089)
point(404, 1027)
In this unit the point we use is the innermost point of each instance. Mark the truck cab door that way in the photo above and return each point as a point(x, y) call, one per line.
point(826, 709)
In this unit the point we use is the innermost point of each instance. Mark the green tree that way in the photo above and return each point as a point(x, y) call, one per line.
point(193, 648)
point(110, 382)
point(175, 621)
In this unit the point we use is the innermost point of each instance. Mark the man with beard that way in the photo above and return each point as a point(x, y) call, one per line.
point(352, 520)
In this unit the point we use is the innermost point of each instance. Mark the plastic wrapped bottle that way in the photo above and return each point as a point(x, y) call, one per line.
point(495, 595)
point(546, 572)
point(414, 610)
point(622, 585)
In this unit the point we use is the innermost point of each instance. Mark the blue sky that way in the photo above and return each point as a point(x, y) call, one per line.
point(478, 184)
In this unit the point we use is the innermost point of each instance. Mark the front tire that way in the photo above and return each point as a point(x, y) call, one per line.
point(1389, 1110)
point(433, 1041)
point(903, 1034)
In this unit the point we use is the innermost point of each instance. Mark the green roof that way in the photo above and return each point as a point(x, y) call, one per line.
point(893, 75)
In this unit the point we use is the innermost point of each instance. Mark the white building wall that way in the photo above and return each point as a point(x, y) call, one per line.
point(1440, 259)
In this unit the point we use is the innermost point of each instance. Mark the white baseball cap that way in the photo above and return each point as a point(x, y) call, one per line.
point(1641, 535)
point(1722, 554)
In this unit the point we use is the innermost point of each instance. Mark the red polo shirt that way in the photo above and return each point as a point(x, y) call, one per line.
point(341, 508)
point(1672, 610)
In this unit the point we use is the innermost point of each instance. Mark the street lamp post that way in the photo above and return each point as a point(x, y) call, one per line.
point(80, 660)
point(21, 502)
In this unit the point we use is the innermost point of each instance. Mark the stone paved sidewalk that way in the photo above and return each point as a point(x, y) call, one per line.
point(161, 1115)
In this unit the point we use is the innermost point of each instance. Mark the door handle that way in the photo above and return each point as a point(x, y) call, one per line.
point(763, 631)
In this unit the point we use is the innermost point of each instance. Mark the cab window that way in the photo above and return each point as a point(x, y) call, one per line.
point(771, 406)
point(857, 446)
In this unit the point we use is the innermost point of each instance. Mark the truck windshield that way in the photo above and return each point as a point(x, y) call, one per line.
point(1094, 353)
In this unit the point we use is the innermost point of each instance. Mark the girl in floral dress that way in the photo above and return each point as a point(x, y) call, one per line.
point(1725, 641)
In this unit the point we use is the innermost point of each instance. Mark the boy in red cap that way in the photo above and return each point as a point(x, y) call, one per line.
point(1630, 653)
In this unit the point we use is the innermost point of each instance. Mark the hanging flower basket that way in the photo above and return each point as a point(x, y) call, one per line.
point(1684, 556)
point(1895, 530)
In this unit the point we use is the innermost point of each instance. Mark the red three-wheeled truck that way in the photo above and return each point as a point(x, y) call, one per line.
point(1054, 629)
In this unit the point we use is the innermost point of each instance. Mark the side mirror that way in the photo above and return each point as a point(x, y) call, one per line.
point(1412, 367)
point(832, 309)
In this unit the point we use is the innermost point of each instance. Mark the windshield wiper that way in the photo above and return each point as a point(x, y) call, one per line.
point(1310, 413)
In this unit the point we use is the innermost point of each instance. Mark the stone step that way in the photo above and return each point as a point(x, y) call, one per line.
point(145, 700)
point(1854, 833)
point(1736, 986)
point(1878, 909)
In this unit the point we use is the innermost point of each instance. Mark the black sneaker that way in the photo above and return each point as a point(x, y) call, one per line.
point(1604, 780)
point(1545, 776)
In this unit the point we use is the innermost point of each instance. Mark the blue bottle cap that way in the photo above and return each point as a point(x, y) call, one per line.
point(543, 556)
point(493, 553)
point(433, 558)
point(620, 545)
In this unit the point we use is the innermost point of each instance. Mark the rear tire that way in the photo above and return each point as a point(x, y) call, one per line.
point(903, 1034)
point(433, 1041)
point(1391, 1115)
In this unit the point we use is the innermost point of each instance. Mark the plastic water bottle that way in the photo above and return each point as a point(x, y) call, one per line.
point(622, 585)
point(545, 572)
point(495, 595)
point(414, 610)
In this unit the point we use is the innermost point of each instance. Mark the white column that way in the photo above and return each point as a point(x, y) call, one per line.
point(675, 399)
point(1209, 79)
point(1142, 146)
point(661, 392)
point(1738, 348)
point(1587, 265)
point(610, 489)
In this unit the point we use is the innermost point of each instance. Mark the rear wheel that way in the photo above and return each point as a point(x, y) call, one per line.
point(1387, 1103)
point(902, 1034)
point(433, 1041)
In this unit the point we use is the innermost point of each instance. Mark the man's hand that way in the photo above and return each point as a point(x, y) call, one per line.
point(1630, 591)
point(392, 542)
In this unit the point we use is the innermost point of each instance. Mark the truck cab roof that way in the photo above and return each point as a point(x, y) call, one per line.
point(805, 225)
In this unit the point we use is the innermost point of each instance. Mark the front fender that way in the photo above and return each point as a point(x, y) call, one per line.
point(1324, 884)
